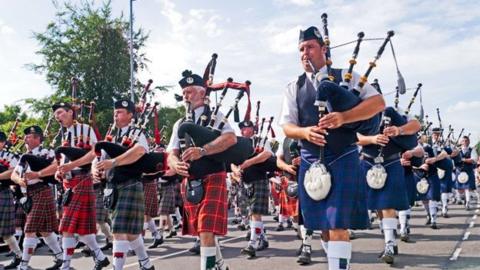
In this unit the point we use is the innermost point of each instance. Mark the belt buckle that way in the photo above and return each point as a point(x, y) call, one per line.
point(378, 160)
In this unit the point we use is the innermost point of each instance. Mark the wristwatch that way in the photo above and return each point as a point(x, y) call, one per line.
point(401, 131)
point(203, 152)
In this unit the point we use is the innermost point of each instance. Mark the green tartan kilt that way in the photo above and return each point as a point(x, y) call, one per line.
point(127, 217)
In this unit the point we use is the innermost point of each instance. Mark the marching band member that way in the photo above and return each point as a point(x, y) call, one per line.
point(466, 165)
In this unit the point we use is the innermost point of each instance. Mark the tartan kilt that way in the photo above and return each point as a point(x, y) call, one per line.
point(7, 213)
point(288, 205)
point(101, 213)
point(79, 215)
point(345, 207)
point(167, 199)
point(433, 192)
point(210, 215)
point(470, 184)
point(151, 198)
point(241, 200)
point(393, 195)
point(259, 201)
point(275, 193)
point(410, 182)
point(127, 217)
point(42, 217)
point(446, 183)
point(178, 195)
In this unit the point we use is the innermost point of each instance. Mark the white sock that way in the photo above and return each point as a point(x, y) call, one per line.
point(339, 255)
point(307, 239)
point(177, 214)
point(119, 252)
point(52, 242)
point(29, 244)
point(324, 246)
point(380, 224)
point(68, 245)
point(467, 197)
point(218, 256)
point(139, 248)
point(91, 243)
point(389, 225)
point(153, 228)
point(13, 244)
point(255, 232)
point(444, 197)
point(262, 231)
point(281, 219)
point(432, 207)
point(402, 218)
point(303, 231)
point(105, 228)
point(207, 258)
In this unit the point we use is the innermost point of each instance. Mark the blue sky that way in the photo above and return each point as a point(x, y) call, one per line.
point(436, 43)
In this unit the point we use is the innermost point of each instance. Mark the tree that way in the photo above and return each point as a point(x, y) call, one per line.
point(87, 43)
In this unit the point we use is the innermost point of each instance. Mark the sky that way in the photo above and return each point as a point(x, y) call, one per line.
point(436, 43)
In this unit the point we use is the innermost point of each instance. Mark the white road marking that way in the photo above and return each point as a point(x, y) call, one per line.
point(472, 223)
point(474, 217)
point(455, 254)
point(465, 236)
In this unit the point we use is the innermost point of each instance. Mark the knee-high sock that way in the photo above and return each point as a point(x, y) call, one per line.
point(402, 218)
point(68, 245)
point(467, 197)
point(207, 258)
point(281, 219)
point(52, 242)
point(91, 242)
point(262, 232)
point(432, 207)
point(13, 245)
point(157, 233)
point(139, 248)
point(339, 255)
point(218, 256)
point(426, 205)
point(255, 232)
point(444, 197)
point(120, 249)
point(29, 244)
point(105, 228)
point(389, 225)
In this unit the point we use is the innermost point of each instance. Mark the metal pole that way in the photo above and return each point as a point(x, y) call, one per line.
point(132, 96)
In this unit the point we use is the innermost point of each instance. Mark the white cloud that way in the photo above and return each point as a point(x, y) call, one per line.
point(301, 3)
point(464, 106)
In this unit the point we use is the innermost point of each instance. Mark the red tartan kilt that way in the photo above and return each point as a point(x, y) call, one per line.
point(79, 215)
point(274, 193)
point(288, 205)
point(20, 217)
point(151, 198)
point(42, 217)
point(210, 215)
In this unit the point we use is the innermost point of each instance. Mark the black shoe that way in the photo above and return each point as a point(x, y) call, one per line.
point(429, 221)
point(299, 250)
point(79, 245)
point(275, 218)
point(235, 221)
point(196, 248)
point(171, 234)
point(247, 237)
point(241, 227)
point(395, 250)
point(434, 226)
point(262, 244)
point(404, 237)
point(249, 251)
point(56, 265)
point(101, 264)
point(86, 252)
point(10, 254)
point(387, 256)
point(305, 256)
point(157, 242)
point(445, 215)
point(280, 228)
point(14, 263)
point(289, 224)
point(107, 246)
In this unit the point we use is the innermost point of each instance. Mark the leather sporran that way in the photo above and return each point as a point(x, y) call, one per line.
point(110, 196)
point(292, 189)
point(67, 197)
point(26, 203)
point(195, 191)
point(249, 190)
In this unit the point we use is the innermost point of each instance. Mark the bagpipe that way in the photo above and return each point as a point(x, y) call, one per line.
point(203, 133)
point(35, 163)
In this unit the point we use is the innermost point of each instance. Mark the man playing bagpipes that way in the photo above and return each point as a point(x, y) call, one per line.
point(8, 161)
point(258, 189)
point(387, 189)
point(79, 199)
point(428, 187)
point(341, 205)
point(204, 215)
point(126, 196)
point(465, 181)
point(39, 202)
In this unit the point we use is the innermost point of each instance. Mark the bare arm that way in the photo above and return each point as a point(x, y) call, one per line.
point(220, 144)
point(130, 156)
point(6, 174)
point(313, 134)
point(255, 160)
point(365, 110)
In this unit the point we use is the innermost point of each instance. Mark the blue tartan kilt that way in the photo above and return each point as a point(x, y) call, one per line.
point(345, 207)
point(446, 183)
point(7, 213)
point(433, 192)
point(410, 181)
point(470, 184)
point(394, 194)
point(127, 217)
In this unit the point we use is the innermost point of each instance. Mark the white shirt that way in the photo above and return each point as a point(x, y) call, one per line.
point(78, 128)
point(473, 154)
point(141, 139)
point(174, 143)
point(39, 152)
point(289, 112)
